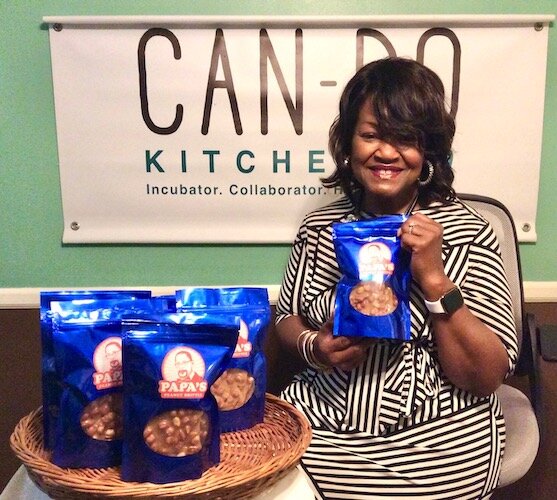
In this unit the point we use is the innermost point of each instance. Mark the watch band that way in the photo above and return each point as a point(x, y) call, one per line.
point(434, 306)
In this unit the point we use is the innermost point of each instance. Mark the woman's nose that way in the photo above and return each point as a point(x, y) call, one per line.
point(386, 151)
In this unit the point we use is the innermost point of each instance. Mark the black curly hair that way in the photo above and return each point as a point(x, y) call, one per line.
point(408, 100)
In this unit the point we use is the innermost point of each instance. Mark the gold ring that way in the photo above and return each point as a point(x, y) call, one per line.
point(411, 226)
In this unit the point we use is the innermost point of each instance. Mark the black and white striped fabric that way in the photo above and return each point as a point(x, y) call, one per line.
point(395, 426)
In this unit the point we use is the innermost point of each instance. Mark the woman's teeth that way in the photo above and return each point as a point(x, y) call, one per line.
point(385, 174)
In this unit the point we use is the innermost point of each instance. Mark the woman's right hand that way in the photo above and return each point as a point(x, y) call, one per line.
point(341, 352)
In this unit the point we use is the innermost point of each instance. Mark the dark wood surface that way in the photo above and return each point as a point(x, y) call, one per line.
point(20, 378)
point(20, 390)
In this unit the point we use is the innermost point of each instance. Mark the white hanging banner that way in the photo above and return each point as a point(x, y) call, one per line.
point(215, 129)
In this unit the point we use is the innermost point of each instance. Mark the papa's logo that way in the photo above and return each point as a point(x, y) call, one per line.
point(107, 360)
point(243, 346)
point(183, 374)
point(375, 259)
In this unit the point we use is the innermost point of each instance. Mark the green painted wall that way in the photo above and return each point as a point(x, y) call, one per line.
point(31, 252)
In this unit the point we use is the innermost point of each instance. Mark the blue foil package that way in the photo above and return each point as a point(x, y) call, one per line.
point(51, 385)
point(372, 297)
point(171, 419)
point(164, 303)
point(240, 390)
point(87, 346)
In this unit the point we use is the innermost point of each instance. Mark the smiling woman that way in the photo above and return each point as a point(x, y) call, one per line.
point(395, 417)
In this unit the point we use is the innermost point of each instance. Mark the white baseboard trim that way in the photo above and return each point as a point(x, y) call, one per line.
point(540, 291)
point(28, 298)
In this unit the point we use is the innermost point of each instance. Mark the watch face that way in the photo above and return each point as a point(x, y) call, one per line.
point(452, 301)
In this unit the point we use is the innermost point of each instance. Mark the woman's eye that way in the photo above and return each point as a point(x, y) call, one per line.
point(368, 135)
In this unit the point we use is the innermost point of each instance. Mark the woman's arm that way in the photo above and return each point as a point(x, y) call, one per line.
point(288, 331)
point(471, 355)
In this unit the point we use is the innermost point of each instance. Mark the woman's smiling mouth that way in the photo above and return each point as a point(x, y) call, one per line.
point(385, 173)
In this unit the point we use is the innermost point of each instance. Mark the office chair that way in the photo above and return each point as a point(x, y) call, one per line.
point(523, 419)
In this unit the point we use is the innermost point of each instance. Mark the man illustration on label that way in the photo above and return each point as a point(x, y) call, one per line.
point(375, 261)
point(184, 368)
point(107, 360)
point(113, 355)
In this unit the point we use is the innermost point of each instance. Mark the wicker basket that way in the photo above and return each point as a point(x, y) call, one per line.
point(251, 461)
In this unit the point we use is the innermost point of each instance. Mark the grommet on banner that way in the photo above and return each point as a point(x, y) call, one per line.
point(57, 26)
point(538, 26)
point(526, 227)
point(74, 226)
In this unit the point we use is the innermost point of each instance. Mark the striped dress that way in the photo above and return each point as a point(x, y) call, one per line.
point(395, 426)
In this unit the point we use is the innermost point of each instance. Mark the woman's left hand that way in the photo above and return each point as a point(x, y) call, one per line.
point(423, 237)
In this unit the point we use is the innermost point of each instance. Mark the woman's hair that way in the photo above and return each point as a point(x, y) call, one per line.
point(408, 101)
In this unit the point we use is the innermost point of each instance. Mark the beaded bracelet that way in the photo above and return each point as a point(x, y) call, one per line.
point(305, 344)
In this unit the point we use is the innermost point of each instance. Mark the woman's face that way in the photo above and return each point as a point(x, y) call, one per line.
point(388, 172)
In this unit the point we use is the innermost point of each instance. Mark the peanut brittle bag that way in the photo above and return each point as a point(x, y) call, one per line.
point(372, 297)
point(240, 390)
point(87, 347)
point(51, 384)
point(171, 419)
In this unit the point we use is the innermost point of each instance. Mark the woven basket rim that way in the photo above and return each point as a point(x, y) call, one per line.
point(285, 435)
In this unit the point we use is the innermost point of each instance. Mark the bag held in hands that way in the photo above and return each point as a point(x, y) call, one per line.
point(373, 293)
